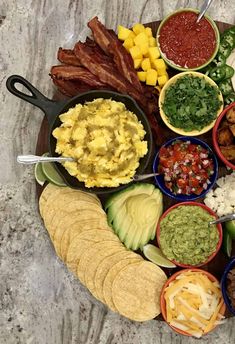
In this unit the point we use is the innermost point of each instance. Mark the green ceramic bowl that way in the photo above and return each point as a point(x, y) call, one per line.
point(171, 63)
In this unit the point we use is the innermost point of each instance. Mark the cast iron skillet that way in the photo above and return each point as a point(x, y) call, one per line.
point(53, 109)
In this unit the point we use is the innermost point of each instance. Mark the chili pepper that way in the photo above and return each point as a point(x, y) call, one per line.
point(225, 49)
point(217, 73)
point(225, 87)
point(229, 71)
point(230, 98)
point(219, 60)
point(228, 37)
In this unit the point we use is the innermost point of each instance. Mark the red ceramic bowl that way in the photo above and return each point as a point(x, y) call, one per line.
point(163, 302)
point(219, 228)
point(214, 136)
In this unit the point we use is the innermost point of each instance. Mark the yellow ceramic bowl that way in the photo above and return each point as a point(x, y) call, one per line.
point(165, 118)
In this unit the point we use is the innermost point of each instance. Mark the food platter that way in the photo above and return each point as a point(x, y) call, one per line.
point(216, 266)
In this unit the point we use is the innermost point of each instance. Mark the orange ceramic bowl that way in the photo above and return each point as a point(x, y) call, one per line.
point(163, 302)
point(214, 136)
point(219, 228)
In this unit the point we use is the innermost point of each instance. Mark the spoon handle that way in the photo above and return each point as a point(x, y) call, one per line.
point(34, 159)
point(223, 219)
point(137, 177)
point(203, 10)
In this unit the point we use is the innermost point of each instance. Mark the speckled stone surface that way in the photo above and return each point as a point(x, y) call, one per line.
point(40, 301)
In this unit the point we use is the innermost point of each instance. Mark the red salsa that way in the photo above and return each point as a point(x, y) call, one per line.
point(186, 43)
point(186, 167)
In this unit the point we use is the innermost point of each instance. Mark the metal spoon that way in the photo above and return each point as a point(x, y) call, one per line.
point(33, 159)
point(138, 177)
point(203, 9)
point(222, 219)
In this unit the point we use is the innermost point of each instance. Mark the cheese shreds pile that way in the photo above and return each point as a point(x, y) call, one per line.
point(193, 303)
point(222, 199)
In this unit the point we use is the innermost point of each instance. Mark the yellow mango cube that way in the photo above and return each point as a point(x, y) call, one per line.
point(146, 65)
point(142, 76)
point(128, 43)
point(162, 80)
point(144, 49)
point(131, 35)
point(137, 63)
point(138, 28)
point(123, 32)
point(135, 52)
point(159, 63)
point(151, 77)
point(148, 31)
point(141, 38)
point(154, 53)
point(152, 42)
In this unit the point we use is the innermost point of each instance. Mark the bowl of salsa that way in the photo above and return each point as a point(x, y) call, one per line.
point(185, 44)
point(187, 168)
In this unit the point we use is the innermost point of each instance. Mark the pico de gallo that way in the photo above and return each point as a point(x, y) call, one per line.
point(186, 167)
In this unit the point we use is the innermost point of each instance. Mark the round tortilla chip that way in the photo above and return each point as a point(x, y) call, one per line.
point(111, 275)
point(83, 225)
point(99, 256)
point(105, 266)
point(82, 242)
point(90, 254)
point(136, 291)
point(46, 193)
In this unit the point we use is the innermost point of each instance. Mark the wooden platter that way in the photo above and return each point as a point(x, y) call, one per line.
point(216, 266)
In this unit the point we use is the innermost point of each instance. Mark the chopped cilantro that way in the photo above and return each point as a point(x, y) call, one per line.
point(191, 103)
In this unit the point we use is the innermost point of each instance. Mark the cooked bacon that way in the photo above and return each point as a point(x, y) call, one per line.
point(82, 74)
point(107, 73)
point(109, 42)
point(67, 56)
point(71, 88)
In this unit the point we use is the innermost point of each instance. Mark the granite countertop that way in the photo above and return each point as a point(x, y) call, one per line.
point(40, 301)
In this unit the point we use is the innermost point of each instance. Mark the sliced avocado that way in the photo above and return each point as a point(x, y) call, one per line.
point(230, 226)
point(134, 213)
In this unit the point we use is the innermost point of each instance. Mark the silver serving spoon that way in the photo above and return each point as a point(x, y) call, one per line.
point(222, 219)
point(203, 9)
point(34, 159)
point(138, 177)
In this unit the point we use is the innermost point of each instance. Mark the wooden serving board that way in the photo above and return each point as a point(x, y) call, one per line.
point(217, 265)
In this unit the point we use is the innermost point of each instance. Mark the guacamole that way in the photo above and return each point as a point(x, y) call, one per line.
point(186, 237)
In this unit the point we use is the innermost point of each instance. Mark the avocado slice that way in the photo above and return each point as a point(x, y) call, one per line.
point(134, 213)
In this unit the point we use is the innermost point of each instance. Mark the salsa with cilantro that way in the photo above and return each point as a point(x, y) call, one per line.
point(186, 167)
point(191, 103)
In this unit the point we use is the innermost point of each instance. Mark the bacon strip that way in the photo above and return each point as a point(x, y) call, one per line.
point(67, 72)
point(107, 73)
point(108, 41)
point(67, 56)
point(72, 88)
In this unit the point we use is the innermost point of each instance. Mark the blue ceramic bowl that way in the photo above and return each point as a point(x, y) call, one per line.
point(228, 267)
point(159, 180)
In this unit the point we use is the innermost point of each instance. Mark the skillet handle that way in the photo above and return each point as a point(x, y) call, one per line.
point(48, 106)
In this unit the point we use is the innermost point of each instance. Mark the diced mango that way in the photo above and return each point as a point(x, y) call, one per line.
point(137, 28)
point(137, 63)
point(135, 52)
point(148, 31)
point(144, 48)
point(162, 80)
point(123, 32)
point(132, 35)
point(142, 76)
point(161, 71)
point(141, 38)
point(146, 65)
point(159, 63)
point(152, 42)
point(154, 53)
point(151, 77)
point(128, 43)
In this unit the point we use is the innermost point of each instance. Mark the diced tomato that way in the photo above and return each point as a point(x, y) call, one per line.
point(195, 169)
point(179, 155)
point(198, 191)
point(182, 183)
point(164, 152)
point(185, 169)
point(177, 147)
point(196, 157)
point(192, 148)
point(167, 162)
point(194, 182)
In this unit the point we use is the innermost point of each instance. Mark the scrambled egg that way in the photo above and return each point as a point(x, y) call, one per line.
point(106, 141)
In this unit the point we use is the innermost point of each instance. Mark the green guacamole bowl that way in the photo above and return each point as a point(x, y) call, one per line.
point(172, 63)
point(218, 227)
